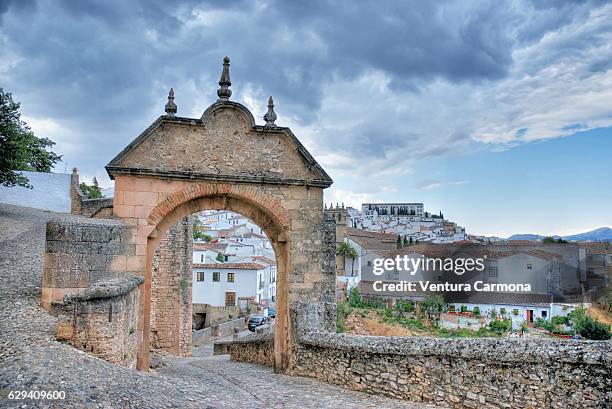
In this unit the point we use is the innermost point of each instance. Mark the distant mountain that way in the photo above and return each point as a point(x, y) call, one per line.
point(525, 237)
point(601, 234)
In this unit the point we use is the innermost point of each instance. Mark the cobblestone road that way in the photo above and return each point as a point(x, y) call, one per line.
point(30, 358)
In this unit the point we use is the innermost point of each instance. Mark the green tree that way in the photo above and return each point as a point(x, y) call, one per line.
point(410, 241)
point(433, 305)
point(220, 257)
point(399, 242)
point(405, 244)
point(91, 191)
point(347, 251)
point(198, 230)
point(20, 149)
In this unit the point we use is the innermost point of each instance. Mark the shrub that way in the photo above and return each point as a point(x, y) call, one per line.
point(590, 328)
point(500, 326)
point(403, 306)
point(354, 298)
point(476, 311)
point(464, 308)
point(545, 324)
point(341, 313)
point(559, 320)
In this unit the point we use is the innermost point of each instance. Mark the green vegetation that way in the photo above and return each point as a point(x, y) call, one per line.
point(588, 327)
point(552, 240)
point(404, 313)
point(91, 191)
point(198, 230)
point(220, 258)
point(500, 326)
point(341, 313)
point(580, 322)
point(347, 251)
point(20, 149)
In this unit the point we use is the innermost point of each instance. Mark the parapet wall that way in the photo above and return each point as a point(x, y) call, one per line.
point(457, 373)
point(473, 373)
point(257, 349)
point(81, 251)
point(103, 319)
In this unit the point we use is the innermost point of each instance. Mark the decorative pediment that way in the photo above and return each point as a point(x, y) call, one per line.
point(225, 144)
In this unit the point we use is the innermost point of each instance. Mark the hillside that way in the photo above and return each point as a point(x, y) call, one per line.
point(601, 234)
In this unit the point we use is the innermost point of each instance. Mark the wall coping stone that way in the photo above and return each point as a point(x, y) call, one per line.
point(110, 288)
point(251, 339)
point(499, 350)
point(79, 220)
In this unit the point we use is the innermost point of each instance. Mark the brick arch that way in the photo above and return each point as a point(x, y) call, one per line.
point(244, 193)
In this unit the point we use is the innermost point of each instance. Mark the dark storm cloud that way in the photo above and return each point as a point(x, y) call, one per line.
point(100, 67)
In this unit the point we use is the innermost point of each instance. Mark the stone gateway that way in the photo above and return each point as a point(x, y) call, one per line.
point(224, 161)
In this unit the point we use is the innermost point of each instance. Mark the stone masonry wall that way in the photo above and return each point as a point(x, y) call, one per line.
point(455, 373)
point(171, 317)
point(81, 251)
point(474, 373)
point(255, 349)
point(102, 320)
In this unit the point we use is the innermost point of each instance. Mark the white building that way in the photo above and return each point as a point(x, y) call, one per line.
point(391, 209)
point(226, 284)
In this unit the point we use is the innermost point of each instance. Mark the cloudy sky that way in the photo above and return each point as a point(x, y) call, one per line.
point(497, 113)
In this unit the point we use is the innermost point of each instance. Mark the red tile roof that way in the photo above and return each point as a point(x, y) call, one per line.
point(230, 266)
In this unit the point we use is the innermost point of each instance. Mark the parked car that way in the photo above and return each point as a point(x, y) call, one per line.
point(271, 312)
point(256, 321)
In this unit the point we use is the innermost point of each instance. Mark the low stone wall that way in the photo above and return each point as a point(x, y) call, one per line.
point(257, 349)
point(219, 330)
point(458, 373)
point(216, 315)
point(103, 319)
point(80, 252)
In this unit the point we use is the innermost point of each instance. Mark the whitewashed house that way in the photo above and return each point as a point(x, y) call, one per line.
point(226, 284)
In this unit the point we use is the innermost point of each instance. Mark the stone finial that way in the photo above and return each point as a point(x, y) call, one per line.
point(170, 105)
point(270, 116)
point(224, 92)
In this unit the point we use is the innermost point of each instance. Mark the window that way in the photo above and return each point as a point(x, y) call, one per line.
point(231, 277)
point(502, 311)
point(544, 314)
point(200, 276)
point(369, 263)
point(529, 266)
point(201, 258)
point(216, 276)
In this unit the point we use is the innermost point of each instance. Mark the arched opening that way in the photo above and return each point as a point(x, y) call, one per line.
point(262, 211)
